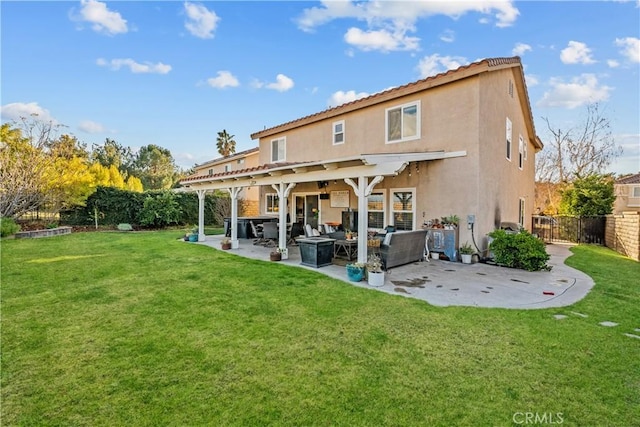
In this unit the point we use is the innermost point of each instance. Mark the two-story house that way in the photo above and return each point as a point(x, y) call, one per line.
point(458, 143)
point(627, 191)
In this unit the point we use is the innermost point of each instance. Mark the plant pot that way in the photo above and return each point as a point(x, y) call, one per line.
point(275, 256)
point(466, 258)
point(355, 274)
point(193, 237)
point(435, 255)
point(225, 246)
point(375, 279)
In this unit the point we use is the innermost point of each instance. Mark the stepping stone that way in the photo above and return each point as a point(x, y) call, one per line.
point(560, 316)
point(633, 336)
point(579, 314)
point(608, 324)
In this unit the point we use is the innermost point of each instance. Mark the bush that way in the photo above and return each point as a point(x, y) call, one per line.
point(8, 227)
point(520, 250)
point(160, 210)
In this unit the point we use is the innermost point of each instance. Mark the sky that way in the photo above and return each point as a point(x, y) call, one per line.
point(175, 73)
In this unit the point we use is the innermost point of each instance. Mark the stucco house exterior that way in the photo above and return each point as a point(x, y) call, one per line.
point(627, 191)
point(459, 143)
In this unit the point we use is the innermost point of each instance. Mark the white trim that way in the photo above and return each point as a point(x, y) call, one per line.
point(520, 152)
point(274, 204)
point(283, 140)
point(411, 190)
point(402, 107)
point(509, 138)
point(382, 191)
point(334, 133)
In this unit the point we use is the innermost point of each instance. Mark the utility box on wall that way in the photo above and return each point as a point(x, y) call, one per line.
point(444, 241)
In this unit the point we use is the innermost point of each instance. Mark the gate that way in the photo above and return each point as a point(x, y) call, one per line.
point(586, 229)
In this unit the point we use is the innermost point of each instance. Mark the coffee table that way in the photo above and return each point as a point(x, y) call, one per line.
point(346, 249)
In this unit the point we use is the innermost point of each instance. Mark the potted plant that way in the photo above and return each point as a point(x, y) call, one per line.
point(225, 243)
point(466, 252)
point(275, 255)
point(355, 271)
point(375, 275)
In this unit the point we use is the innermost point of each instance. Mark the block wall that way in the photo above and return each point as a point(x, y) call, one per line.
point(623, 234)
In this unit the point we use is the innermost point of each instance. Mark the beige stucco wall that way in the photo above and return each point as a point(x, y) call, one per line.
point(252, 159)
point(468, 114)
point(623, 202)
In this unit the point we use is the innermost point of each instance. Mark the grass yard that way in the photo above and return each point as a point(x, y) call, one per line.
point(141, 329)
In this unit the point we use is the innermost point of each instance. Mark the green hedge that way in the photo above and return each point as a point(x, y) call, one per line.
point(113, 206)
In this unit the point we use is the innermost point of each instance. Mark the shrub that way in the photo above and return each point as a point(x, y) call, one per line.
point(519, 250)
point(8, 227)
point(160, 210)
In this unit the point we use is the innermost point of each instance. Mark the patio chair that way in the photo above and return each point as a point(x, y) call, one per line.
point(270, 234)
point(256, 233)
point(296, 231)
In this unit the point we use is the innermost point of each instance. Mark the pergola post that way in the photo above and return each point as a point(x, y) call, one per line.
point(234, 192)
point(283, 191)
point(201, 198)
point(362, 190)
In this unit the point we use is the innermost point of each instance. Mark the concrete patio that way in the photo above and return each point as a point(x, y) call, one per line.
point(445, 283)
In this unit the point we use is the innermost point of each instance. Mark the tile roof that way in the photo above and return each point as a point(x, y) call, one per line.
point(260, 168)
point(631, 179)
point(229, 157)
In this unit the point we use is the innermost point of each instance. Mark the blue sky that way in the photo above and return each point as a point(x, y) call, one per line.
point(175, 73)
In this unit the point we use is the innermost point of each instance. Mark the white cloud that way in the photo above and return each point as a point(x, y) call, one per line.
point(102, 19)
point(89, 126)
point(435, 64)
point(201, 21)
point(582, 90)
point(520, 49)
point(382, 40)
point(224, 79)
point(135, 67)
point(612, 63)
point(340, 97)
point(448, 36)
point(282, 83)
point(531, 80)
point(17, 110)
point(630, 48)
point(576, 53)
point(388, 22)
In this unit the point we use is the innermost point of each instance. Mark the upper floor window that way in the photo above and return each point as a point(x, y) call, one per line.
point(509, 136)
point(338, 132)
point(520, 152)
point(210, 171)
point(402, 123)
point(240, 161)
point(278, 149)
point(635, 192)
point(227, 168)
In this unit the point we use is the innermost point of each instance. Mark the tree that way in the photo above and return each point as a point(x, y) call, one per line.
point(155, 167)
point(225, 143)
point(113, 154)
point(23, 167)
point(589, 196)
point(587, 149)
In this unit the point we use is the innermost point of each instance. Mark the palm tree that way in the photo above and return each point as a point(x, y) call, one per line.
point(225, 143)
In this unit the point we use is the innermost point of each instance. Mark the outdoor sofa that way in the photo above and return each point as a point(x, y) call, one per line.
point(402, 247)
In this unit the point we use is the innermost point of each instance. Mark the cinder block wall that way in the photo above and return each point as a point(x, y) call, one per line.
point(623, 234)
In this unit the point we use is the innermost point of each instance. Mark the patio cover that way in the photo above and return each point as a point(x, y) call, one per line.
point(361, 172)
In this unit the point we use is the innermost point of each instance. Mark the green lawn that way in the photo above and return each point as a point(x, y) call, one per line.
point(110, 329)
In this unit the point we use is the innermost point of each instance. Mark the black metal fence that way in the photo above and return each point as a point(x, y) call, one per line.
point(573, 229)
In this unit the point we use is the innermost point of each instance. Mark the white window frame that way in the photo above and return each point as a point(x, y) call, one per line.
point(392, 211)
point(509, 129)
point(403, 138)
point(526, 143)
point(384, 206)
point(227, 168)
point(521, 211)
point(274, 208)
point(282, 147)
point(635, 189)
point(240, 161)
point(335, 133)
point(520, 152)
point(210, 171)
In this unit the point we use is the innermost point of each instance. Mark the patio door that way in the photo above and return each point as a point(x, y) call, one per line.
point(307, 209)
